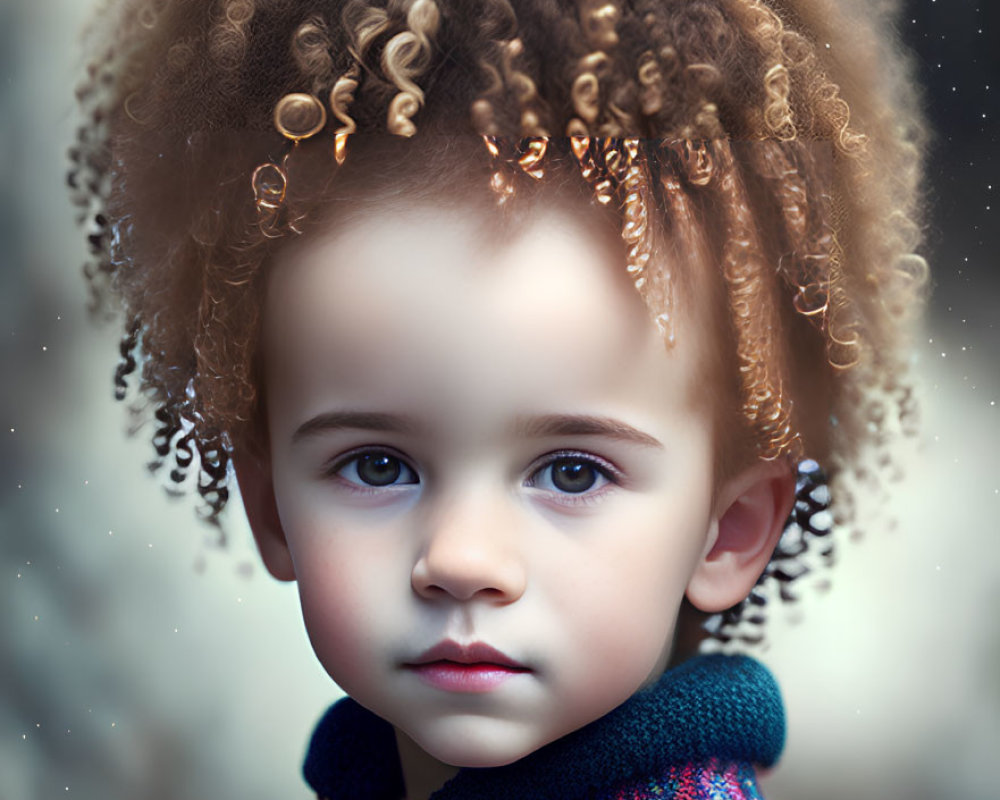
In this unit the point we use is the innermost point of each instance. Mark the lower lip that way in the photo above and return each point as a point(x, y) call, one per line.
point(454, 677)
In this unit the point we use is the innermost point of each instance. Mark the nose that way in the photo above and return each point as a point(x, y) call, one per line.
point(470, 551)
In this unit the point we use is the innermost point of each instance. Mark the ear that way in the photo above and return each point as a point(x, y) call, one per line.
point(750, 514)
point(257, 491)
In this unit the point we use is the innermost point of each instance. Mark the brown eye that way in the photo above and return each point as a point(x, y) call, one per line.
point(376, 468)
point(572, 475)
point(379, 469)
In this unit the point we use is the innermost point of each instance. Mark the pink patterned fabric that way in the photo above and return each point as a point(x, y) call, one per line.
point(710, 780)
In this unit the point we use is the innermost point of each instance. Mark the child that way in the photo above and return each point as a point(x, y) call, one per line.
point(516, 392)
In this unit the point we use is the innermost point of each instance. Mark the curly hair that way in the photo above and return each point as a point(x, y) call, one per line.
point(774, 134)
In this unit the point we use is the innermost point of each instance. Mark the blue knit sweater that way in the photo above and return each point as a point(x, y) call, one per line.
point(701, 725)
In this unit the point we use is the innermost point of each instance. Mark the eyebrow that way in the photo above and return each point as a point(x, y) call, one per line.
point(583, 425)
point(527, 427)
point(353, 420)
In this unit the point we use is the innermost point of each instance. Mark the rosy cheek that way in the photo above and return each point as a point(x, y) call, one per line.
point(336, 633)
point(337, 610)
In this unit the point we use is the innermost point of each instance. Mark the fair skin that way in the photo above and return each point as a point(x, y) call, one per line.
point(491, 481)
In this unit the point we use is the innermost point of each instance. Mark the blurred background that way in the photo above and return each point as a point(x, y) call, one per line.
point(136, 660)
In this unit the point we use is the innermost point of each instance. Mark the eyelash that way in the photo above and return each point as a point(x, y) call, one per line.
point(360, 487)
point(604, 469)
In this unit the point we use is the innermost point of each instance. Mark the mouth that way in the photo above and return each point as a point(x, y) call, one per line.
point(472, 668)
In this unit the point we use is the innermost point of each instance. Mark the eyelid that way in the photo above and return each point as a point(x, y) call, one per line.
point(338, 462)
point(613, 473)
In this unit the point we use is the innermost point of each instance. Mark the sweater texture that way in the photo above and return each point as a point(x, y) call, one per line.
point(693, 734)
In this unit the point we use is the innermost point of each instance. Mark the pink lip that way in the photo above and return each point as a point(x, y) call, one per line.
point(464, 668)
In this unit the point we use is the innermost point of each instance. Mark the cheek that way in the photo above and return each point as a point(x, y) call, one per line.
point(336, 615)
point(626, 596)
point(633, 612)
point(345, 602)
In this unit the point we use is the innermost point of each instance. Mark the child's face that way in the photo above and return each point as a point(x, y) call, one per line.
point(493, 479)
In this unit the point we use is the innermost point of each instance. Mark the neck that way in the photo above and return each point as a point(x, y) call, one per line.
point(422, 774)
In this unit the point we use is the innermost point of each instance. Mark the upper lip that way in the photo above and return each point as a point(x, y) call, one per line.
point(474, 653)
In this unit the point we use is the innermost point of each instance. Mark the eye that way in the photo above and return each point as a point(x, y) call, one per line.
point(375, 468)
point(572, 474)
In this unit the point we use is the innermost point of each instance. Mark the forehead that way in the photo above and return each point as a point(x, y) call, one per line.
point(428, 307)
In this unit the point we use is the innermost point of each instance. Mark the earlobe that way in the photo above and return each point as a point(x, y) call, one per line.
point(750, 515)
point(257, 492)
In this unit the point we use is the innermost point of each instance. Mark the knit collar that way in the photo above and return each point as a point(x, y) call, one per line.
point(727, 707)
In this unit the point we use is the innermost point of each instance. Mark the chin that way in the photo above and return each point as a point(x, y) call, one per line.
point(474, 748)
point(481, 760)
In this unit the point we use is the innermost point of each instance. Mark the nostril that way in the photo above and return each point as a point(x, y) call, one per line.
point(435, 592)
